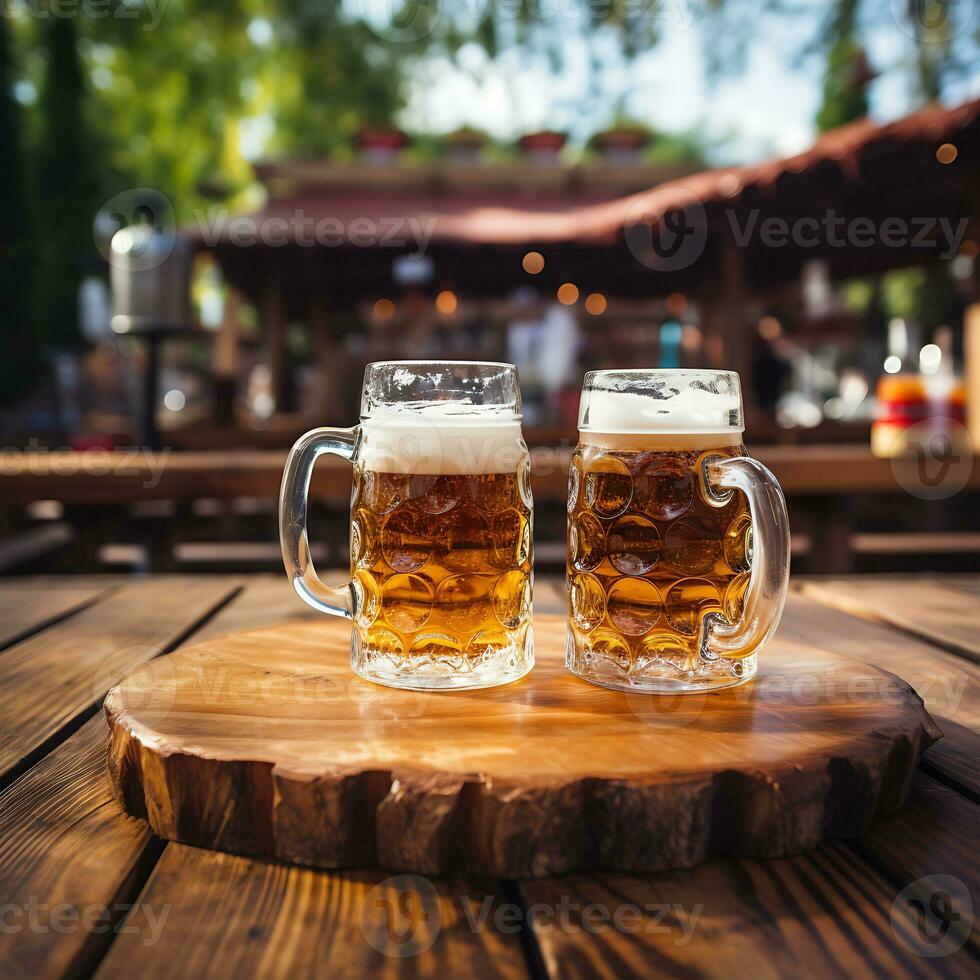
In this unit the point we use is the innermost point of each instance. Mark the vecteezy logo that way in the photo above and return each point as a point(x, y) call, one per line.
point(399, 22)
point(138, 212)
point(933, 21)
point(937, 460)
point(669, 241)
point(401, 916)
point(933, 916)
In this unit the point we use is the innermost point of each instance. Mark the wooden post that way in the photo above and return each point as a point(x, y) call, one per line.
point(274, 327)
point(225, 359)
point(328, 367)
point(971, 371)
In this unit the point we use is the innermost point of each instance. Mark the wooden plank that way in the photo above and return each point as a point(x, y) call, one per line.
point(64, 840)
point(949, 685)
point(68, 858)
point(825, 913)
point(918, 606)
point(27, 610)
point(51, 678)
point(272, 920)
point(937, 832)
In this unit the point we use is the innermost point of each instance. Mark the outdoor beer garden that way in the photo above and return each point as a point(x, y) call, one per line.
point(429, 552)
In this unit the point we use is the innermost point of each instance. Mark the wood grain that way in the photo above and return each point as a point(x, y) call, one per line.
point(936, 833)
point(67, 856)
point(232, 916)
point(26, 610)
point(266, 743)
point(919, 606)
point(823, 914)
point(49, 679)
point(949, 685)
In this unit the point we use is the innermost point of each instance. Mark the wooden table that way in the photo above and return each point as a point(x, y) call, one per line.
point(86, 890)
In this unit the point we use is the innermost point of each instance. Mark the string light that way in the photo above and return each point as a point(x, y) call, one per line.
point(533, 263)
point(947, 153)
point(595, 303)
point(446, 302)
point(567, 293)
point(384, 308)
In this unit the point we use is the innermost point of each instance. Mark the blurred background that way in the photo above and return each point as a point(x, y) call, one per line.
point(214, 215)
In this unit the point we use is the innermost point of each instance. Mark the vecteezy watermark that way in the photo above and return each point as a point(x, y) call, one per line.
point(668, 242)
point(406, 23)
point(402, 916)
point(935, 459)
point(150, 11)
point(933, 916)
point(64, 918)
point(933, 21)
point(298, 228)
point(133, 461)
point(137, 226)
point(833, 230)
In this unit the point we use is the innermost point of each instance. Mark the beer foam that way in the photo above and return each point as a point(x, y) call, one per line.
point(688, 410)
point(442, 439)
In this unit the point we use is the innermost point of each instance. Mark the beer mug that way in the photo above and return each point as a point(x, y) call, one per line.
point(440, 527)
point(678, 541)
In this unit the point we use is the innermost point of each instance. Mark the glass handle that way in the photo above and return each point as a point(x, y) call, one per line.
point(293, 506)
point(765, 595)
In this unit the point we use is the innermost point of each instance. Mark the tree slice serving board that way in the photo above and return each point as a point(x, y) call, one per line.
point(266, 743)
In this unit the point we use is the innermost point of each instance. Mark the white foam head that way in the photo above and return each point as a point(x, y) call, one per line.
point(661, 401)
point(441, 417)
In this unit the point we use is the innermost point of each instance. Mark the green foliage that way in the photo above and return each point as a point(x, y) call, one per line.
point(15, 254)
point(66, 190)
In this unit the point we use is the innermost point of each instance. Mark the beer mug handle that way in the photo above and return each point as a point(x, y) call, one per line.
point(765, 594)
point(293, 505)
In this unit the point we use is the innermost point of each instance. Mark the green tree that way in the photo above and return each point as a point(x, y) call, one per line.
point(15, 256)
point(846, 76)
point(65, 190)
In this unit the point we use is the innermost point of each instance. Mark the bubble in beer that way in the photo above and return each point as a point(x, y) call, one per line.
point(487, 643)
point(687, 601)
point(633, 544)
point(385, 642)
point(608, 486)
point(512, 598)
point(407, 600)
point(511, 538)
point(734, 602)
point(663, 487)
point(491, 492)
point(587, 600)
point(383, 492)
point(574, 482)
point(404, 542)
point(610, 646)
point(367, 598)
point(663, 646)
point(366, 539)
point(693, 544)
point(434, 494)
point(738, 538)
point(587, 542)
point(463, 601)
point(634, 605)
point(463, 538)
point(524, 483)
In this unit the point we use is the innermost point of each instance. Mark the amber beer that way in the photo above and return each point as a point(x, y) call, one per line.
point(441, 565)
point(648, 554)
point(440, 530)
point(678, 541)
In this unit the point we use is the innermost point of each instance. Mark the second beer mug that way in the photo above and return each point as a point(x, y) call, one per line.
point(678, 542)
point(440, 531)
